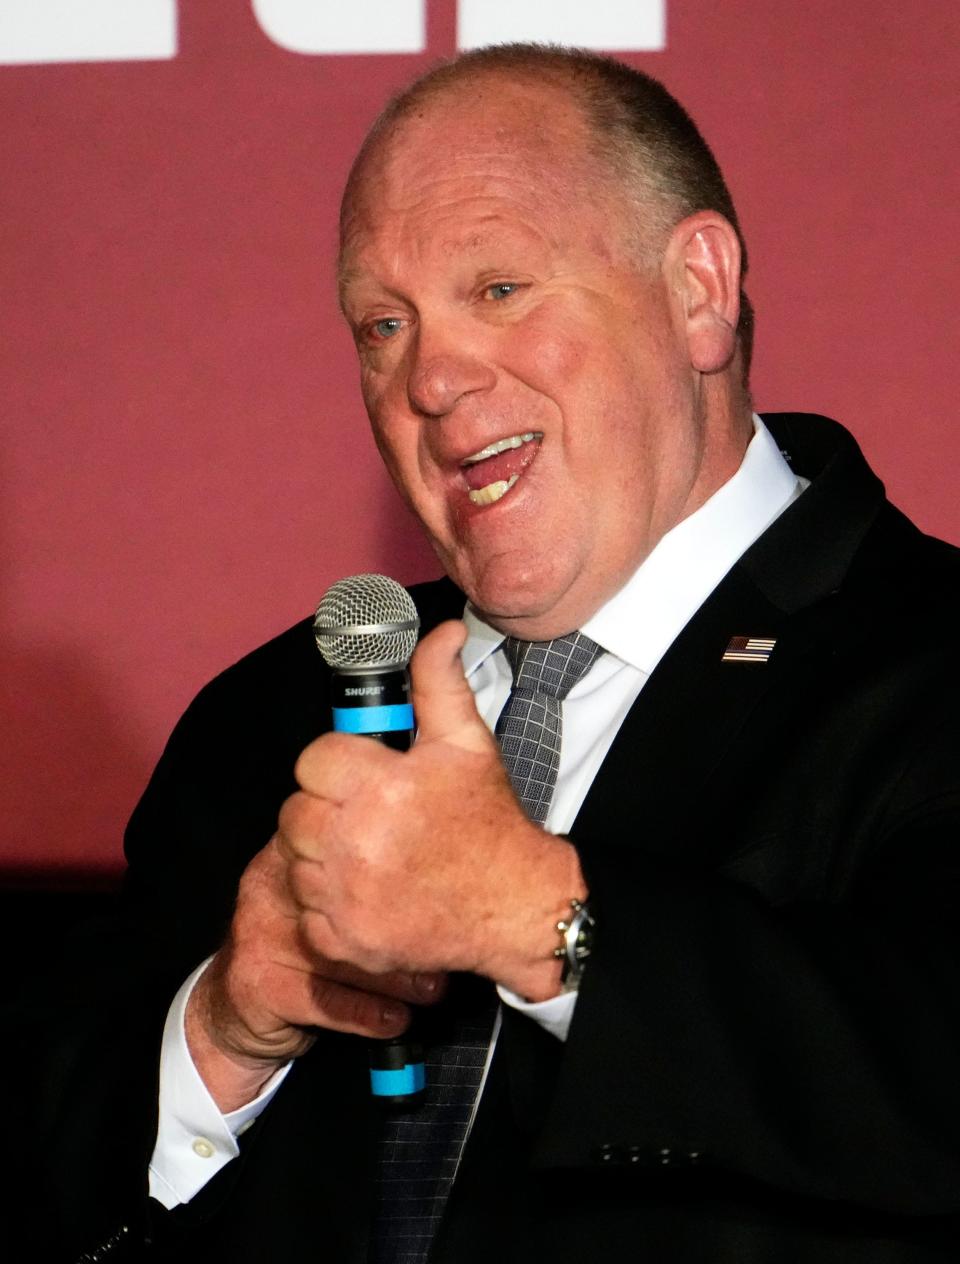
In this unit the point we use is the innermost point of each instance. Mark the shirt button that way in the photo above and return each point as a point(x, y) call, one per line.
point(203, 1148)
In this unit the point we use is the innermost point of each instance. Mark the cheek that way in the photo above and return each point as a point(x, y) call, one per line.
point(550, 355)
point(398, 442)
point(376, 390)
point(386, 420)
point(388, 438)
point(597, 367)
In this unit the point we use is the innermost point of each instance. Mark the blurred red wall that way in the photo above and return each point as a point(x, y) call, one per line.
point(184, 460)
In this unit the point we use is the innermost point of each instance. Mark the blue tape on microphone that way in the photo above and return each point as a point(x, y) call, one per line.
point(397, 1083)
point(394, 718)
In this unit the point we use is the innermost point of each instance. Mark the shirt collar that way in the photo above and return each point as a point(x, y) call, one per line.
point(640, 622)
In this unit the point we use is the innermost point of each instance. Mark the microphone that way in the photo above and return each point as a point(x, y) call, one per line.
point(366, 629)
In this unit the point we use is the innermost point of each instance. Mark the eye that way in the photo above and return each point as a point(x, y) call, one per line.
point(501, 290)
point(387, 327)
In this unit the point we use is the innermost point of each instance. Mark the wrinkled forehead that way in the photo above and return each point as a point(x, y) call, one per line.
point(527, 141)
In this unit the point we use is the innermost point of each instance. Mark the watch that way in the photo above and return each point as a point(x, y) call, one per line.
point(577, 935)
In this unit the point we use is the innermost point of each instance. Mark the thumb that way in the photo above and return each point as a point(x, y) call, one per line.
point(442, 700)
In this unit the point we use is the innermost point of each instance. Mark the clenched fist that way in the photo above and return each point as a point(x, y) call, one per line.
point(424, 860)
point(388, 870)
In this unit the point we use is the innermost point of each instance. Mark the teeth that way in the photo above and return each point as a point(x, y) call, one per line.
point(493, 491)
point(501, 445)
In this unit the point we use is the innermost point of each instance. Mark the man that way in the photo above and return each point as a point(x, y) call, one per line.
point(756, 800)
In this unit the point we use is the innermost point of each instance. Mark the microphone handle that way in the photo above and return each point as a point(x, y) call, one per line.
point(377, 705)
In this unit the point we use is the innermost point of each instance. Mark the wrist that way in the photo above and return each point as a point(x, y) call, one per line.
point(233, 1064)
point(529, 964)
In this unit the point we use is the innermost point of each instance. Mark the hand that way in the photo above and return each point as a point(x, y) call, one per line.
point(424, 860)
point(259, 1001)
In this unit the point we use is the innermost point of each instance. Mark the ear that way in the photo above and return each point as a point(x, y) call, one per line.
point(703, 257)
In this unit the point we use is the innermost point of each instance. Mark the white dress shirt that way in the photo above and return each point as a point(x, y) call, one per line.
point(635, 628)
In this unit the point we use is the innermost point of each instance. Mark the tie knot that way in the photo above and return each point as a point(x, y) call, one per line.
point(551, 667)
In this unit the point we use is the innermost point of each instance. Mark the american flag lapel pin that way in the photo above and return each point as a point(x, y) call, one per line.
point(748, 649)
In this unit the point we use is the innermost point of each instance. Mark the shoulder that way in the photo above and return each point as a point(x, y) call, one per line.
point(843, 536)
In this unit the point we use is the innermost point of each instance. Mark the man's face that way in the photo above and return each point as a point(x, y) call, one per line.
point(529, 384)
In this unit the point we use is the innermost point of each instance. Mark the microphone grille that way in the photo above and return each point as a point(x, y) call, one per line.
point(366, 623)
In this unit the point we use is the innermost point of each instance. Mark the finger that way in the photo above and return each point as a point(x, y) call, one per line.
point(331, 957)
point(336, 764)
point(339, 1007)
point(304, 823)
point(443, 701)
point(315, 936)
point(320, 944)
point(265, 877)
point(422, 988)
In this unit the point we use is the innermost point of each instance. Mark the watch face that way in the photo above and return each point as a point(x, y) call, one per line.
point(578, 946)
point(584, 941)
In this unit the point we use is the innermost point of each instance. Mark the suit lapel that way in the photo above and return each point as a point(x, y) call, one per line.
point(695, 707)
point(652, 766)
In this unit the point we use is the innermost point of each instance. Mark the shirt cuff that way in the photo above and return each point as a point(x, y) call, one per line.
point(194, 1139)
point(554, 1015)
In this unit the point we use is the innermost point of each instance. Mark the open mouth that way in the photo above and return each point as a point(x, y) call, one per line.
point(491, 472)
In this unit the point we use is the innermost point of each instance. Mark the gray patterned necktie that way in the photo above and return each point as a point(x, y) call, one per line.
point(420, 1148)
point(529, 728)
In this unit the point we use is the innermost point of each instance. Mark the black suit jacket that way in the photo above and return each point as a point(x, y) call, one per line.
point(763, 1063)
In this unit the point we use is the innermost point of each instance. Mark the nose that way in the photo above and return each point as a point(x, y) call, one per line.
point(446, 367)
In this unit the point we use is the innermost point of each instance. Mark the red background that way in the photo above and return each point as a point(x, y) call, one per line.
point(184, 459)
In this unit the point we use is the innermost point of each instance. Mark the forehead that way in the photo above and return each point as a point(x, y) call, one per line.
point(474, 165)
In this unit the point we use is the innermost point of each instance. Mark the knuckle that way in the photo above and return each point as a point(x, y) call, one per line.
point(396, 793)
point(328, 746)
point(291, 817)
point(317, 936)
point(303, 826)
point(305, 767)
point(302, 882)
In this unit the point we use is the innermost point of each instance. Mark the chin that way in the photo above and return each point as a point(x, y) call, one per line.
point(532, 611)
point(521, 591)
